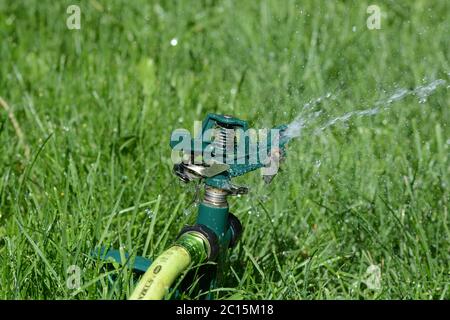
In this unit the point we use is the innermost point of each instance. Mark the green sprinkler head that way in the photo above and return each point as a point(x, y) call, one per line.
point(226, 148)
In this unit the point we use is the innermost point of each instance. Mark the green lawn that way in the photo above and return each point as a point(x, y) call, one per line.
point(95, 108)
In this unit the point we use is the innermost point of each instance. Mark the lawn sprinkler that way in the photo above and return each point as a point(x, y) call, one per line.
point(224, 149)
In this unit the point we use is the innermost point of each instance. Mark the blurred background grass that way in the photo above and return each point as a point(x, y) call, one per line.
point(97, 107)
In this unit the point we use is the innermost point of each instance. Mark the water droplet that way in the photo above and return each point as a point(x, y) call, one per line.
point(318, 163)
point(149, 213)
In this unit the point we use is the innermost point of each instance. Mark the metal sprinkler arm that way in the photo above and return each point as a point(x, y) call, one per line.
point(216, 156)
point(223, 180)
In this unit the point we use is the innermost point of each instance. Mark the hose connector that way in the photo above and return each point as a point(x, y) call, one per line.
point(190, 248)
point(198, 236)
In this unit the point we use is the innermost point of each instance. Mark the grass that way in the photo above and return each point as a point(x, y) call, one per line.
point(97, 106)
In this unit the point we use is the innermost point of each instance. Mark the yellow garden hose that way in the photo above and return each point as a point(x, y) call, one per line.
point(161, 274)
point(190, 248)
